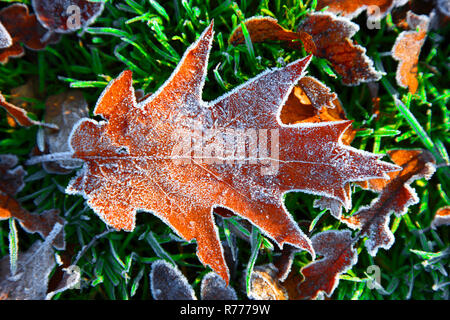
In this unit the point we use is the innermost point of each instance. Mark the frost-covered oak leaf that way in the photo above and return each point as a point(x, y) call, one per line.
point(180, 157)
point(396, 196)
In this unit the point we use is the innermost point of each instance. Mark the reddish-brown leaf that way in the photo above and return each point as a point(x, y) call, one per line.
point(338, 256)
point(137, 160)
point(441, 218)
point(267, 29)
point(331, 36)
point(20, 115)
point(396, 196)
point(325, 35)
point(213, 287)
point(64, 16)
point(407, 48)
point(376, 9)
point(11, 175)
point(23, 28)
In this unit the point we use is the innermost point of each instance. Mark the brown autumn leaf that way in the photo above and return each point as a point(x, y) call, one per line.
point(23, 28)
point(328, 38)
point(63, 16)
point(63, 110)
point(376, 9)
point(264, 284)
point(441, 218)
point(20, 115)
point(167, 155)
point(396, 196)
point(407, 49)
point(30, 282)
point(332, 38)
point(267, 29)
point(338, 256)
point(11, 182)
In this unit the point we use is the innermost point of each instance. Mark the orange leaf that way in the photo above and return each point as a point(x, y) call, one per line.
point(179, 157)
point(407, 48)
point(63, 16)
point(23, 28)
point(396, 196)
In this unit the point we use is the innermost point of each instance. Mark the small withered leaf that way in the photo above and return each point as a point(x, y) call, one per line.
point(34, 266)
point(63, 110)
point(332, 38)
point(11, 175)
point(20, 115)
point(23, 28)
point(263, 29)
point(264, 284)
point(338, 256)
point(63, 16)
point(407, 49)
point(395, 197)
point(376, 9)
point(168, 283)
point(441, 218)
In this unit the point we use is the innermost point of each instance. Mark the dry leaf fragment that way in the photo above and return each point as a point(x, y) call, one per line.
point(331, 36)
point(63, 16)
point(133, 160)
point(20, 115)
point(376, 9)
point(41, 223)
point(34, 267)
point(441, 218)
point(325, 35)
point(11, 182)
point(168, 283)
point(264, 284)
point(266, 28)
point(407, 48)
point(11, 175)
point(63, 110)
point(396, 196)
point(23, 28)
point(338, 256)
point(213, 287)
